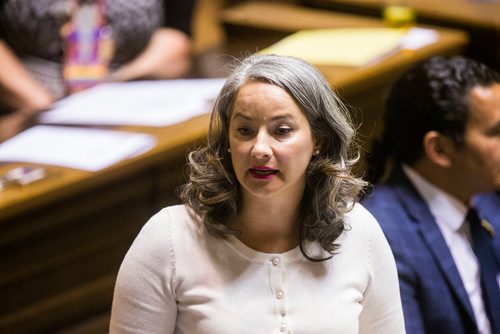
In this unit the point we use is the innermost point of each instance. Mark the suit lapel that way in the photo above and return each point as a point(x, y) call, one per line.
point(431, 235)
point(488, 206)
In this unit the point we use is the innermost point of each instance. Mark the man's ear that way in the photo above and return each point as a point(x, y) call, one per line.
point(438, 148)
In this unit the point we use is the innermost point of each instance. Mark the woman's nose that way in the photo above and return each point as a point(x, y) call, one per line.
point(262, 146)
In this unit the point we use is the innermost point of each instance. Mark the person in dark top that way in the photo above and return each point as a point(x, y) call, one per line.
point(51, 48)
point(438, 207)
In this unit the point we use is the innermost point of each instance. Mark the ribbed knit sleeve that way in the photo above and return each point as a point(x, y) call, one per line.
point(144, 300)
point(382, 311)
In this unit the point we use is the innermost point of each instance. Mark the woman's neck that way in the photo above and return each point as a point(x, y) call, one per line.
point(268, 226)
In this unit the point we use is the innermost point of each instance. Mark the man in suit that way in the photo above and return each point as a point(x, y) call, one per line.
point(442, 138)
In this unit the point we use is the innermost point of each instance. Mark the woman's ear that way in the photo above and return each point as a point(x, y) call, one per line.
point(318, 143)
point(438, 148)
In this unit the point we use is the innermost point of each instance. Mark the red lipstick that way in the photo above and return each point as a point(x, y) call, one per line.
point(263, 172)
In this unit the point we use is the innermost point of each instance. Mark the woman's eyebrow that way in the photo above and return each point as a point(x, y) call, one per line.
point(274, 118)
point(241, 115)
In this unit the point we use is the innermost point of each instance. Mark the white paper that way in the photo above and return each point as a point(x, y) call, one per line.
point(80, 148)
point(417, 38)
point(147, 103)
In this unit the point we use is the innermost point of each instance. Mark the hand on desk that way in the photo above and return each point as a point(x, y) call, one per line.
point(20, 94)
point(14, 123)
point(167, 56)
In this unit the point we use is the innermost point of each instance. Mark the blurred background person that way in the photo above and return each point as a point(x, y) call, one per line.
point(441, 148)
point(51, 48)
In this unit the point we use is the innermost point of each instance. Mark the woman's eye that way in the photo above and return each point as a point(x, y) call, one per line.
point(244, 131)
point(283, 131)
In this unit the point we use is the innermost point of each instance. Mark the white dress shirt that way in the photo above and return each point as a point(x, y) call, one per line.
point(449, 214)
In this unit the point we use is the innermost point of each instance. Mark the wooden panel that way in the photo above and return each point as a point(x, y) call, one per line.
point(480, 19)
point(47, 254)
point(485, 14)
point(252, 26)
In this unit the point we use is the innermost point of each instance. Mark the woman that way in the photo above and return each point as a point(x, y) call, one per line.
point(44, 43)
point(269, 239)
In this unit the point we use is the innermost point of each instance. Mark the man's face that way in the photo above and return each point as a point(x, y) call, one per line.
point(477, 163)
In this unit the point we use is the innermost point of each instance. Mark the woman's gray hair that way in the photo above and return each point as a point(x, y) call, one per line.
point(331, 189)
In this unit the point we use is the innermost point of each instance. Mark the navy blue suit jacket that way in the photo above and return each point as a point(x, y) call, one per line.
point(434, 298)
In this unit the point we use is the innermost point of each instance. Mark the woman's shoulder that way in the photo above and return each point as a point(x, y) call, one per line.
point(364, 239)
point(176, 217)
point(179, 211)
point(360, 223)
point(170, 222)
point(360, 217)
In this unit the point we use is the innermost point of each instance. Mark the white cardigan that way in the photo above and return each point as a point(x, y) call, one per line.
point(177, 278)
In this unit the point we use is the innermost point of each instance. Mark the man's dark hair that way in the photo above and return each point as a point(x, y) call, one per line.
point(432, 96)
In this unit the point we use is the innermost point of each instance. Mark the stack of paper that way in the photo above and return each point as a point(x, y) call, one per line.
point(87, 149)
point(350, 46)
point(147, 103)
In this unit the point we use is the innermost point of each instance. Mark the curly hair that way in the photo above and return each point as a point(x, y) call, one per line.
point(213, 191)
point(431, 96)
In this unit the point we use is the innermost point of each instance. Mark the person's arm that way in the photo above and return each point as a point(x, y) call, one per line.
point(169, 52)
point(20, 94)
point(15, 122)
point(18, 90)
point(144, 300)
point(382, 308)
point(413, 316)
point(167, 56)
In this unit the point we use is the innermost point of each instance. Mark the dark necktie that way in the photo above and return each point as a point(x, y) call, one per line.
point(482, 243)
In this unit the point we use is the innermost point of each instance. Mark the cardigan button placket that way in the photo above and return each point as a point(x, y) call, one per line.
point(277, 282)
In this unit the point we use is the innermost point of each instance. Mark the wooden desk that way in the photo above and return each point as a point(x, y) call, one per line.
point(62, 239)
point(481, 19)
point(255, 25)
point(485, 14)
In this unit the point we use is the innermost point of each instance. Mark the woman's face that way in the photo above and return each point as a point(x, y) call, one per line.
point(271, 141)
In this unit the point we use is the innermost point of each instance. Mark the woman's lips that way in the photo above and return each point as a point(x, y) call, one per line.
point(263, 173)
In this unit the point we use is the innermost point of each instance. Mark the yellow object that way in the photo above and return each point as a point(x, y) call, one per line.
point(399, 16)
point(343, 47)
